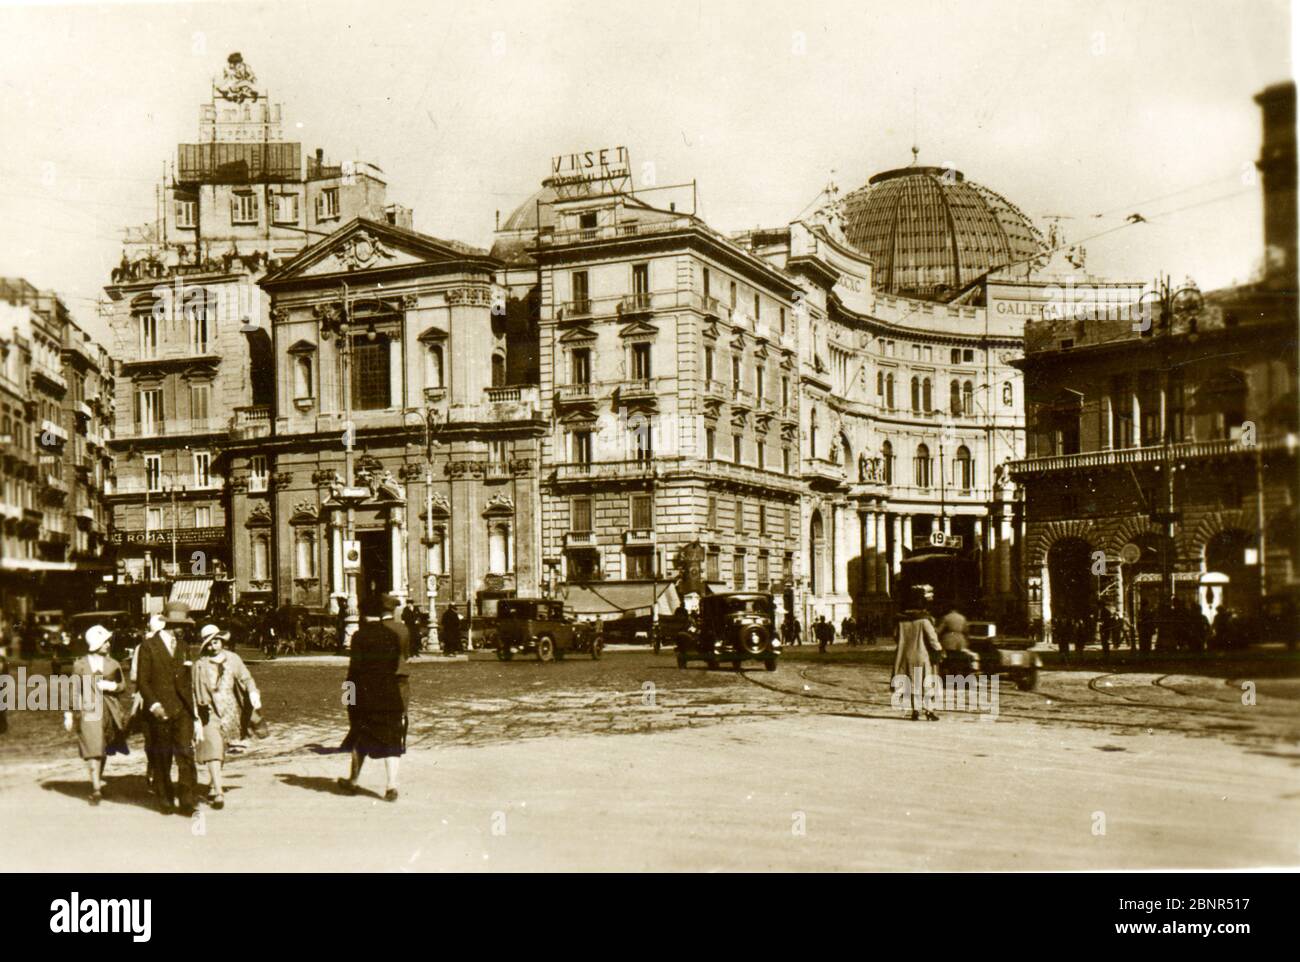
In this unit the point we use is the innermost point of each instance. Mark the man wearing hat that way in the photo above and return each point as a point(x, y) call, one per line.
point(168, 699)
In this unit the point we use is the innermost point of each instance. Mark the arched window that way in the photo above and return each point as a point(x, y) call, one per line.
point(887, 462)
point(498, 370)
point(302, 377)
point(916, 395)
point(954, 398)
point(968, 398)
point(963, 469)
point(433, 366)
point(880, 384)
point(922, 466)
point(261, 557)
point(305, 554)
point(812, 435)
point(437, 554)
point(926, 396)
point(889, 391)
point(499, 548)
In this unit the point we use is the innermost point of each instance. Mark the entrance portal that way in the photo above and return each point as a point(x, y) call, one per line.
point(375, 579)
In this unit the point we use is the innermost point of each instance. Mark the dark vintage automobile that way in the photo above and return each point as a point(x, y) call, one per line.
point(126, 635)
point(541, 627)
point(988, 654)
point(737, 627)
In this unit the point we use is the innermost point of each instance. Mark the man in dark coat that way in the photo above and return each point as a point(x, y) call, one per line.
point(450, 630)
point(168, 698)
point(376, 699)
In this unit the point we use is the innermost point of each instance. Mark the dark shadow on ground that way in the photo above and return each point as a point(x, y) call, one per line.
point(118, 790)
point(326, 786)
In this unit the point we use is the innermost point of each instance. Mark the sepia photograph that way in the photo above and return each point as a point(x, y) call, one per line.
point(689, 437)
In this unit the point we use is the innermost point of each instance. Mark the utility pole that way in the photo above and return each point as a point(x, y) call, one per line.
point(430, 577)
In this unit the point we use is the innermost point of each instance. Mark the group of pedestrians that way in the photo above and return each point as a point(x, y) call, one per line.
point(192, 696)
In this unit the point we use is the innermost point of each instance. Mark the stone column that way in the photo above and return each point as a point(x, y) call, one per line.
point(882, 559)
point(840, 554)
point(1137, 431)
point(853, 554)
point(1164, 413)
point(1004, 553)
point(984, 555)
point(337, 584)
point(867, 519)
point(1108, 423)
point(896, 562)
point(397, 552)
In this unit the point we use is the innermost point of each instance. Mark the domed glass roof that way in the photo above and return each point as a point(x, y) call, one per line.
point(931, 232)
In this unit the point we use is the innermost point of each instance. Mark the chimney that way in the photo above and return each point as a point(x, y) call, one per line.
point(1277, 165)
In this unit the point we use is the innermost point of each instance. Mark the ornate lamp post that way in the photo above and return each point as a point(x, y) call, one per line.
point(335, 320)
point(431, 419)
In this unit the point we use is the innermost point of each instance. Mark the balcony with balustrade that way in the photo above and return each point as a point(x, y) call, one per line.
point(251, 422)
point(588, 471)
point(176, 427)
point(1151, 454)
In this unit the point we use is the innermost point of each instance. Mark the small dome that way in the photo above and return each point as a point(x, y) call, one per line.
point(525, 216)
point(931, 232)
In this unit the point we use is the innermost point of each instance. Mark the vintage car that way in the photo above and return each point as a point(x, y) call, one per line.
point(987, 654)
point(543, 628)
point(125, 629)
point(737, 626)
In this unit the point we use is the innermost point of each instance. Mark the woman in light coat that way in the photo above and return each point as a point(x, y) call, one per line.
point(916, 640)
point(223, 687)
point(100, 722)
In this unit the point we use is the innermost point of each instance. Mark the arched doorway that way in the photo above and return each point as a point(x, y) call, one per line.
point(1226, 553)
point(1069, 574)
point(816, 546)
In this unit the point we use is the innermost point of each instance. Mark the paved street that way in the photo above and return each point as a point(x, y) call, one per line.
point(629, 763)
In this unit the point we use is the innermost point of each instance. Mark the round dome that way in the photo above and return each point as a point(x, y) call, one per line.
point(525, 216)
point(931, 232)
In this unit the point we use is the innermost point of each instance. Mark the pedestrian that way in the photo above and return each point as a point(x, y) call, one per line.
point(167, 693)
point(4, 671)
point(411, 618)
point(377, 708)
point(952, 631)
point(451, 630)
point(394, 617)
point(819, 632)
point(139, 711)
point(100, 722)
point(225, 696)
point(848, 630)
point(1061, 635)
point(1107, 629)
point(917, 640)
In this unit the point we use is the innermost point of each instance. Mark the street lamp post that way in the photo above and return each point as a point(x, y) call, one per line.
point(430, 576)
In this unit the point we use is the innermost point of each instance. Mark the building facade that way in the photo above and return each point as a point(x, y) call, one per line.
point(55, 414)
point(1162, 454)
point(668, 373)
point(191, 329)
point(393, 343)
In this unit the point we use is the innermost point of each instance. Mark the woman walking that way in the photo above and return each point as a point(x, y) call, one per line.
point(224, 695)
point(377, 702)
point(100, 724)
point(916, 640)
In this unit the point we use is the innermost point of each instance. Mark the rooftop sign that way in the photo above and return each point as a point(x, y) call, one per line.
point(590, 173)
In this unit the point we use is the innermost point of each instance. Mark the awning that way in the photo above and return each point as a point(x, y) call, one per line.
point(621, 598)
point(193, 592)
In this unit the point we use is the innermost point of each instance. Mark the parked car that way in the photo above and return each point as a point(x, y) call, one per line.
point(543, 628)
point(49, 635)
point(737, 626)
point(988, 654)
point(125, 629)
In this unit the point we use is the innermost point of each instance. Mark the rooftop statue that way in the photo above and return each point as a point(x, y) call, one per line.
point(238, 82)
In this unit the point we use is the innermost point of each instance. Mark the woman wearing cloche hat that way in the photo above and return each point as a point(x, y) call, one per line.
point(100, 722)
point(223, 687)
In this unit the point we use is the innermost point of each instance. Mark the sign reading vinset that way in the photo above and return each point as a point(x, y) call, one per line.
point(590, 173)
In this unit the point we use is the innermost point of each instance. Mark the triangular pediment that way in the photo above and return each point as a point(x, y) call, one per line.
point(639, 329)
point(578, 334)
point(364, 245)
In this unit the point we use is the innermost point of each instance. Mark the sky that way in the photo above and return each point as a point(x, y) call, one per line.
point(1069, 109)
